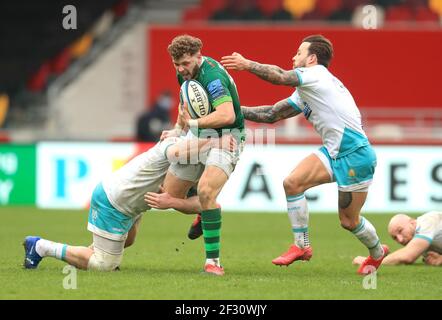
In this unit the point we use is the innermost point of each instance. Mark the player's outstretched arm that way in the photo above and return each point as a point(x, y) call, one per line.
point(406, 255)
point(267, 72)
point(270, 114)
point(188, 148)
point(165, 201)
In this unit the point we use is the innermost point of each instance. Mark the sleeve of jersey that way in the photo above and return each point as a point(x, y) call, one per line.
point(295, 101)
point(180, 79)
point(307, 77)
point(218, 92)
point(425, 229)
point(166, 143)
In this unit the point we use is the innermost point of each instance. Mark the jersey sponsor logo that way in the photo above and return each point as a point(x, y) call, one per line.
point(307, 111)
point(216, 89)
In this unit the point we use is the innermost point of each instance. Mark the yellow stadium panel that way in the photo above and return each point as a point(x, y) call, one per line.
point(436, 6)
point(81, 46)
point(299, 7)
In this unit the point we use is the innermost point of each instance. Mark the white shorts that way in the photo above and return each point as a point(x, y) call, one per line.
point(187, 172)
point(223, 159)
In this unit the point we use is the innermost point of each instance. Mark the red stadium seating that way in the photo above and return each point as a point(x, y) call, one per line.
point(399, 13)
point(121, 8)
point(60, 63)
point(327, 7)
point(424, 14)
point(195, 14)
point(268, 7)
point(212, 6)
point(353, 4)
point(314, 15)
point(37, 82)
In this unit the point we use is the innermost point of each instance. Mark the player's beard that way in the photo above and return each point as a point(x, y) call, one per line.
point(195, 71)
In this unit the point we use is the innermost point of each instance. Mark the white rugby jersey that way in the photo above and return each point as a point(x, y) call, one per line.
point(125, 188)
point(429, 227)
point(329, 106)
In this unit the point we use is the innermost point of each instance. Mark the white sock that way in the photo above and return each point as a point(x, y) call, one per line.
point(46, 248)
point(298, 215)
point(213, 261)
point(366, 233)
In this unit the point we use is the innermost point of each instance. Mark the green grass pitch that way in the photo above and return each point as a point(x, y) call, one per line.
point(164, 264)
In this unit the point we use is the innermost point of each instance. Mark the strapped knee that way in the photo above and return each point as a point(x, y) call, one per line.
point(107, 255)
point(103, 261)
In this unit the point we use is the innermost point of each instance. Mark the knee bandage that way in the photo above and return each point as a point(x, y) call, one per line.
point(107, 255)
point(102, 261)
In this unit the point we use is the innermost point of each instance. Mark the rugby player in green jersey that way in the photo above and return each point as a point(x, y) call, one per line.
point(211, 176)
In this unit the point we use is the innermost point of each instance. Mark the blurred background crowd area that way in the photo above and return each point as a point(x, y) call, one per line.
point(312, 10)
point(96, 81)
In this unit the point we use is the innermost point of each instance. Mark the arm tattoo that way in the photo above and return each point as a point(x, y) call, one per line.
point(270, 114)
point(274, 74)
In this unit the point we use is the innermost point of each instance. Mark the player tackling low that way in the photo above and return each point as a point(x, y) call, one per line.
point(345, 157)
point(118, 204)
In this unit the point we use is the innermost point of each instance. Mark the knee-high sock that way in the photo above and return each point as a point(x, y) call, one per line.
point(366, 233)
point(211, 224)
point(298, 215)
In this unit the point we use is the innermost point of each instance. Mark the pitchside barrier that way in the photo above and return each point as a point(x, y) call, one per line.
point(63, 175)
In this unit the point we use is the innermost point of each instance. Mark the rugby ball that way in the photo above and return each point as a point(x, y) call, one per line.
point(196, 97)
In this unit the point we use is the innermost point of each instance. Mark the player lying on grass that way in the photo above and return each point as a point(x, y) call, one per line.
point(420, 237)
point(118, 203)
point(346, 156)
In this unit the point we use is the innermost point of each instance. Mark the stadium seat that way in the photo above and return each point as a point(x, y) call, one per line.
point(415, 3)
point(299, 8)
point(353, 4)
point(436, 6)
point(268, 7)
point(81, 46)
point(399, 13)
point(37, 81)
point(248, 10)
point(60, 63)
point(121, 8)
point(211, 6)
point(195, 14)
point(327, 7)
point(4, 105)
point(425, 14)
point(314, 15)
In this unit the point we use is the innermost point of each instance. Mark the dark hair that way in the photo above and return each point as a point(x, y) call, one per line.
point(184, 44)
point(321, 47)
